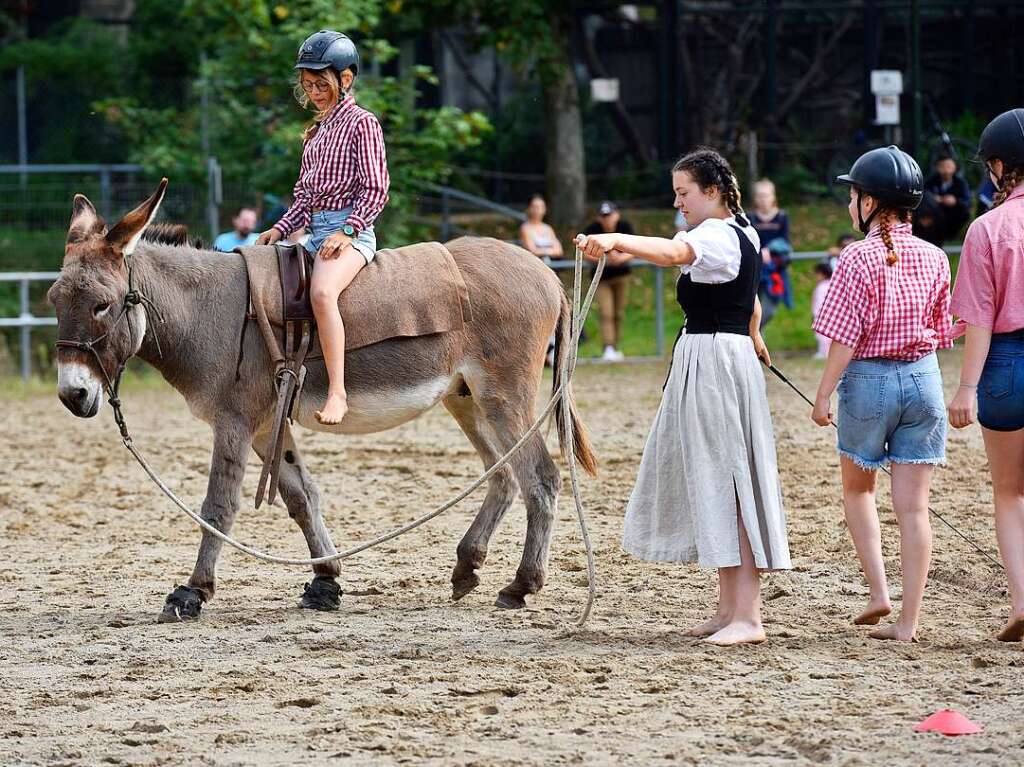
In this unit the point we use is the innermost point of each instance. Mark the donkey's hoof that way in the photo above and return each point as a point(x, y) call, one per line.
point(464, 584)
point(183, 604)
point(322, 594)
point(510, 600)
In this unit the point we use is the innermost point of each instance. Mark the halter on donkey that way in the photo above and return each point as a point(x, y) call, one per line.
point(201, 296)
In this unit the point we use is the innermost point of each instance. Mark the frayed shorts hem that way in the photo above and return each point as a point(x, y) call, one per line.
point(889, 459)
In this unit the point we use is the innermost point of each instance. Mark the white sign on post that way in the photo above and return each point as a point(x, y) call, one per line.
point(604, 89)
point(887, 85)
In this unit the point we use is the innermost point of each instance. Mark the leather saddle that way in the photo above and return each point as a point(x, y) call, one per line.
point(295, 265)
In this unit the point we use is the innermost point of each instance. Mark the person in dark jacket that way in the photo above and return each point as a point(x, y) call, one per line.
point(946, 205)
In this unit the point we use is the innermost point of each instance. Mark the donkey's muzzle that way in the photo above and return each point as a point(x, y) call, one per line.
point(78, 389)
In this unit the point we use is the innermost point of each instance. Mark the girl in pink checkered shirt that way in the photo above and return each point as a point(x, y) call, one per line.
point(342, 187)
point(887, 311)
point(989, 300)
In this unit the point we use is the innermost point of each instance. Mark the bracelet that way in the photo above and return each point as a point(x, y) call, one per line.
point(968, 386)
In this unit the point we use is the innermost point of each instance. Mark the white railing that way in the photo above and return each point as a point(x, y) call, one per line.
point(26, 320)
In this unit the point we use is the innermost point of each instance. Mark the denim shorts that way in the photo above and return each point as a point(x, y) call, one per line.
point(892, 411)
point(1001, 387)
point(324, 223)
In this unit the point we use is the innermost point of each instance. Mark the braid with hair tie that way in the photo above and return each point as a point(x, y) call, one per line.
point(1011, 178)
point(902, 216)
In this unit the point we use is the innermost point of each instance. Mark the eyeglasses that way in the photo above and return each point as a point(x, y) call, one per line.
point(319, 87)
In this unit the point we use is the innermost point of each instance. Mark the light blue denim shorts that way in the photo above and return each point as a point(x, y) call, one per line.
point(324, 223)
point(892, 412)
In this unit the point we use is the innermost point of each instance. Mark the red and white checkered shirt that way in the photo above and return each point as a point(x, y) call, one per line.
point(343, 164)
point(899, 312)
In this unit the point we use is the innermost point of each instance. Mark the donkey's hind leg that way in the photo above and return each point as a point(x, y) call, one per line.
point(501, 491)
point(539, 482)
point(302, 499)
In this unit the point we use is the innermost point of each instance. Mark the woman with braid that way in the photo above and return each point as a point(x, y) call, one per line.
point(887, 311)
point(708, 486)
point(989, 300)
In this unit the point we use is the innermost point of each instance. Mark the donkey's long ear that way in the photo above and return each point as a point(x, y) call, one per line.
point(126, 234)
point(84, 220)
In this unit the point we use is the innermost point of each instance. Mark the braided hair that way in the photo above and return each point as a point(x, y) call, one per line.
point(884, 218)
point(709, 169)
point(1009, 181)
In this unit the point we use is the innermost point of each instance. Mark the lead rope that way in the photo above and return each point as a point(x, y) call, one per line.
point(563, 393)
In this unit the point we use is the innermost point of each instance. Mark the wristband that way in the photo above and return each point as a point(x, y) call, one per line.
point(968, 386)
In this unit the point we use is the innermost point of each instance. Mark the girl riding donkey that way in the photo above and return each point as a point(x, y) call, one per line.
point(714, 420)
point(342, 188)
point(887, 311)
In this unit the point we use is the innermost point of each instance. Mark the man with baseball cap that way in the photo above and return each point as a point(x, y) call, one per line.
point(612, 292)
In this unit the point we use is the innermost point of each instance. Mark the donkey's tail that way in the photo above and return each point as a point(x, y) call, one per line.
point(583, 450)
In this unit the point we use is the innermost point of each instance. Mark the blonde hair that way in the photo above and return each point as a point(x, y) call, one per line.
point(765, 184)
point(327, 75)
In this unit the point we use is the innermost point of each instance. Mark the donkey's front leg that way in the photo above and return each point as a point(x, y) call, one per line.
point(231, 444)
point(302, 498)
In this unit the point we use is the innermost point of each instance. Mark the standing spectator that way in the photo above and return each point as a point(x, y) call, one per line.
point(612, 292)
point(985, 195)
point(242, 233)
point(772, 224)
point(823, 271)
point(538, 237)
point(841, 242)
point(946, 205)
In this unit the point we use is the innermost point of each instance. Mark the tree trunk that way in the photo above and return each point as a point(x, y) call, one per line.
point(565, 174)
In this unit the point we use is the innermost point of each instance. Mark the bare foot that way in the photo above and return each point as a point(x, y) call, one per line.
point(738, 632)
point(708, 628)
point(895, 632)
point(1013, 631)
point(334, 409)
point(875, 611)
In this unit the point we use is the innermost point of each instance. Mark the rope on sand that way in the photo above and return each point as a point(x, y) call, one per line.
point(563, 393)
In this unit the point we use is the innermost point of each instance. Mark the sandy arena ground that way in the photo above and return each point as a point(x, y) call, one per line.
point(89, 549)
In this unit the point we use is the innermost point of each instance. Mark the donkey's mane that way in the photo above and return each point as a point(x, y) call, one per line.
point(165, 233)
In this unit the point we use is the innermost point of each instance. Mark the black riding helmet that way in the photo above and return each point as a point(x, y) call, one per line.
point(327, 48)
point(1003, 139)
point(888, 174)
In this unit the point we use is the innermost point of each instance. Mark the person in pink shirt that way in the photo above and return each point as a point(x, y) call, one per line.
point(989, 300)
point(887, 311)
point(823, 271)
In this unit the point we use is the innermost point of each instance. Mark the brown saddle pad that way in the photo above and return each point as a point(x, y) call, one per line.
point(415, 290)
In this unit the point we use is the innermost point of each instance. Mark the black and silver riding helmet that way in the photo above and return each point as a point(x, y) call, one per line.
point(327, 48)
point(888, 174)
point(1003, 139)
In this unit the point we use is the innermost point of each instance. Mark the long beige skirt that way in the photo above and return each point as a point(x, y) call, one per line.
point(711, 445)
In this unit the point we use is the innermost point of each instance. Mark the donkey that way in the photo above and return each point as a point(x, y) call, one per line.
point(486, 375)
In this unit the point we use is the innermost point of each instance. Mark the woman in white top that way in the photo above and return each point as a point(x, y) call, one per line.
point(708, 488)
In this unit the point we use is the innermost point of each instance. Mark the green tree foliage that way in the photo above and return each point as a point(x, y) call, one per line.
point(534, 36)
point(148, 92)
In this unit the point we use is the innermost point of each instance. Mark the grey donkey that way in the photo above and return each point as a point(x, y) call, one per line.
point(487, 376)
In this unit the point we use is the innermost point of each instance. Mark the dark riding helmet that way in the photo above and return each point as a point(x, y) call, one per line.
point(888, 174)
point(1003, 139)
point(327, 48)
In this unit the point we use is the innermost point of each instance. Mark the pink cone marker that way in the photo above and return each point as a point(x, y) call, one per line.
point(948, 722)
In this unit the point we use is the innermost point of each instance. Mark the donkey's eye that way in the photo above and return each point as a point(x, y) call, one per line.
point(100, 309)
